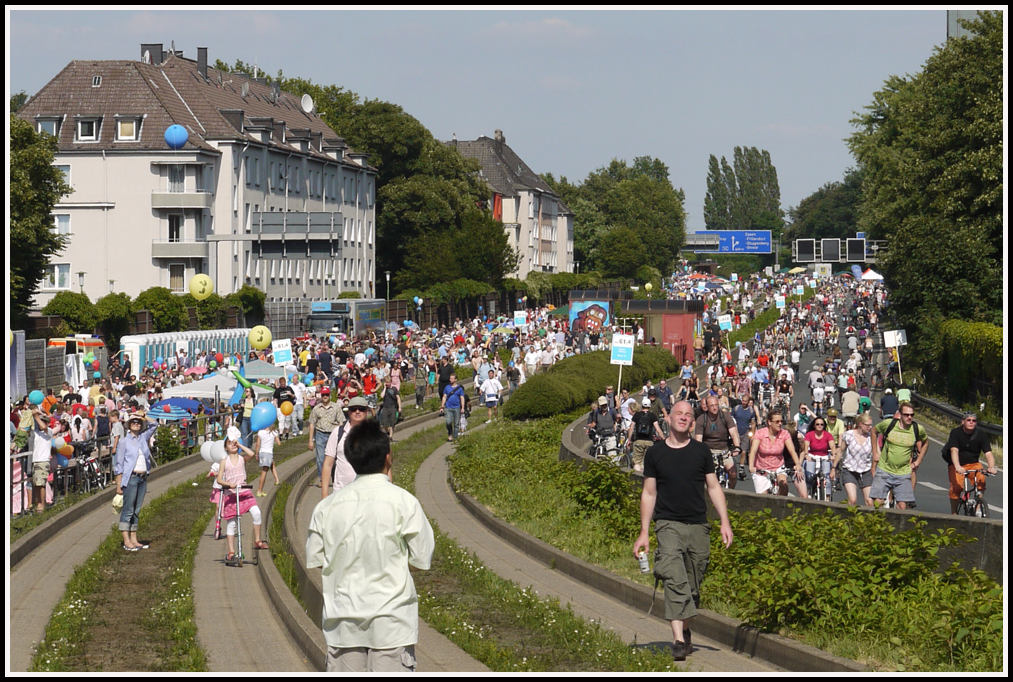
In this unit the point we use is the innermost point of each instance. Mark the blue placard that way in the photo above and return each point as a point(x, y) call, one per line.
point(800, 290)
point(622, 349)
point(320, 306)
point(740, 241)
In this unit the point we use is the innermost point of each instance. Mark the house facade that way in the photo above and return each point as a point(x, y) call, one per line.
point(263, 192)
point(536, 220)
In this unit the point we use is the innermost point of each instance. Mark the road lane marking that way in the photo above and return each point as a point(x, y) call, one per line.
point(931, 486)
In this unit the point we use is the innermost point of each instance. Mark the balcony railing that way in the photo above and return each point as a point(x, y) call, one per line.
point(163, 198)
point(167, 248)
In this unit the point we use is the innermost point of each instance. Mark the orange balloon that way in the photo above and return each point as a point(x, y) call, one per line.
point(67, 451)
point(286, 408)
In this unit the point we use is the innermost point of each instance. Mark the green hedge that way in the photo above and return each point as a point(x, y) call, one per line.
point(763, 320)
point(576, 382)
point(970, 350)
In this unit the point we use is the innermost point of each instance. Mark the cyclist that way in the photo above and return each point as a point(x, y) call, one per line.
point(766, 453)
point(903, 448)
point(962, 453)
point(817, 448)
point(850, 406)
point(603, 423)
point(718, 431)
point(803, 418)
point(747, 418)
point(785, 392)
point(856, 455)
point(889, 404)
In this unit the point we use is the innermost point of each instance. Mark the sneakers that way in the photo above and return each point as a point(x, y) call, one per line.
point(261, 494)
point(679, 651)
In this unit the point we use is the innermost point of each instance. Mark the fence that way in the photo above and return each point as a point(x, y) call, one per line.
point(90, 469)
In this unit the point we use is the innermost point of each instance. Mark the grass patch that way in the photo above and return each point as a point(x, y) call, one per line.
point(94, 628)
point(281, 548)
point(23, 525)
point(851, 586)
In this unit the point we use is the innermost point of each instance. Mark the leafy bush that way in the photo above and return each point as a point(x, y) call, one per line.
point(604, 491)
point(350, 294)
point(167, 309)
point(168, 447)
point(577, 381)
point(75, 310)
point(852, 575)
point(970, 350)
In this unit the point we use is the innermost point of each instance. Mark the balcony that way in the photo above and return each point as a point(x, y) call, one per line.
point(164, 248)
point(161, 198)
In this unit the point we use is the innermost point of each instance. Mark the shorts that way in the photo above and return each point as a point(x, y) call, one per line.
point(639, 450)
point(492, 403)
point(859, 479)
point(957, 480)
point(40, 473)
point(761, 483)
point(388, 417)
point(266, 459)
point(883, 483)
point(726, 458)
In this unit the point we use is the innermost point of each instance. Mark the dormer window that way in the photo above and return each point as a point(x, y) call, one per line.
point(96, 81)
point(127, 129)
point(48, 124)
point(87, 129)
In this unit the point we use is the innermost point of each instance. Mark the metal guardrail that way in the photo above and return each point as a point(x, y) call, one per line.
point(954, 413)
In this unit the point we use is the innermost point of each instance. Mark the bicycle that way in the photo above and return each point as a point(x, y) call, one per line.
point(724, 480)
point(819, 485)
point(772, 477)
point(972, 501)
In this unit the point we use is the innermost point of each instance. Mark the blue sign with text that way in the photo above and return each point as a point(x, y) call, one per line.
point(741, 241)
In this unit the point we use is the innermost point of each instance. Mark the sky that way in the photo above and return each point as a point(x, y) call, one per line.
point(571, 90)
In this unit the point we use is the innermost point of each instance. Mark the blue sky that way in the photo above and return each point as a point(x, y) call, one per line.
point(570, 90)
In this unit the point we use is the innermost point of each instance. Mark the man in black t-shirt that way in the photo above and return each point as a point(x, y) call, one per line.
point(443, 374)
point(644, 427)
point(675, 473)
point(962, 453)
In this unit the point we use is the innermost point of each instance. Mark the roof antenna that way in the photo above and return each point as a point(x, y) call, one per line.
point(254, 67)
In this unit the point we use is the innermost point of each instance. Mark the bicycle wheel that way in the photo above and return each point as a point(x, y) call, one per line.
point(981, 509)
point(962, 508)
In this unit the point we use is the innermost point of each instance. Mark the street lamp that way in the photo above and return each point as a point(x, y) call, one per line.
point(576, 267)
point(80, 280)
point(387, 272)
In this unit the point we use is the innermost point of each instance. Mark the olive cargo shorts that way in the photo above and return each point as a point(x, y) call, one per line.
point(681, 562)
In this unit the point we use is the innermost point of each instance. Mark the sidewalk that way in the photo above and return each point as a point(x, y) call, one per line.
point(434, 492)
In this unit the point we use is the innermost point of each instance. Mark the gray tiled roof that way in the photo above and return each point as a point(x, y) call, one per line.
point(173, 92)
point(502, 169)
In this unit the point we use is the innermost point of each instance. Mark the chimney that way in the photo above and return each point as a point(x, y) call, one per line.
point(500, 141)
point(454, 141)
point(202, 61)
point(151, 53)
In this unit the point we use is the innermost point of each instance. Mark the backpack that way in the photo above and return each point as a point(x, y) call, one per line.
point(914, 425)
point(644, 428)
point(101, 426)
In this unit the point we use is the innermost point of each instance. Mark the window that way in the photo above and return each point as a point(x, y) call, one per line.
point(61, 223)
point(65, 169)
point(177, 176)
point(177, 273)
point(256, 172)
point(96, 81)
point(270, 176)
point(57, 276)
point(49, 126)
point(246, 170)
point(175, 228)
point(87, 130)
point(126, 130)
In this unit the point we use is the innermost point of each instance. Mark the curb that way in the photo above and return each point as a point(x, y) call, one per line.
point(41, 534)
point(780, 651)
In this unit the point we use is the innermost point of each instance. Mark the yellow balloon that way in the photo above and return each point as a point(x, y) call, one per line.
point(648, 286)
point(286, 408)
point(260, 337)
point(201, 287)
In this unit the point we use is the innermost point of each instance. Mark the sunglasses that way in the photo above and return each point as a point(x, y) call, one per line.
point(358, 408)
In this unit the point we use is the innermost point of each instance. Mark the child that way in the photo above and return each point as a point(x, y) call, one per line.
point(264, 447)
point(232, 476)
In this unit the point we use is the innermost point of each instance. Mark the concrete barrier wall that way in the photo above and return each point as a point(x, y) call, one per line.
point(984, 551)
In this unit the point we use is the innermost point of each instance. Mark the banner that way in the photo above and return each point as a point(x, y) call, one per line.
point(622, 349)
point(282, 352)
point(589, 316)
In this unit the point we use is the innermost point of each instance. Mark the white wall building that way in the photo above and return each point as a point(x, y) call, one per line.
point(535, 219)
point(262, 193)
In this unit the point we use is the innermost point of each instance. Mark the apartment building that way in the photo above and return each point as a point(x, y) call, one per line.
point(263, 192)
point(535, 219)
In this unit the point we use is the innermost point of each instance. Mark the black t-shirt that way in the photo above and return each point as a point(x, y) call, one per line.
point(970, 446)
point(312, 364)
point(681, 474)
point(341, 356)
point(285, 394)
point(325, 363)
point(444, 373)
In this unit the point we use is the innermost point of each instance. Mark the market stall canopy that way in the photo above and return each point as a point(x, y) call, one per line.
point(258, 370)
point(212, 386)
point(871, 275)
point(796, 271)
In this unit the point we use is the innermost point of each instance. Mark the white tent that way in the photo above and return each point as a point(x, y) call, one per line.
point(258, 370)
point(871, 275)
point(215, 385)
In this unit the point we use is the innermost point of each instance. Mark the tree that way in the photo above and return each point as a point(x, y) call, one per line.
point(167, 309)
point(250, 300)
point(931, 146)
point(114, 313)
point(746, 197)
point(212, 312)
point(36, 186)
point(716, 202)
point(831, 212)
point(623, 252)
point(18, 100)
point(75, 309)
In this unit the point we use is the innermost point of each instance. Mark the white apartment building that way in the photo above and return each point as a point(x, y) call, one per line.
point(262, 193)
point(535, 219)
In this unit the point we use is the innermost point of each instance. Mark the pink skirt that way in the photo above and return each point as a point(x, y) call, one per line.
point(246, 502)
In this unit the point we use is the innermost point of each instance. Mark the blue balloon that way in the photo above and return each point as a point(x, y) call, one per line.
point(416, 299)
point(159, 360)
point(97, 375)
point(309, 376)
point(263, 416)
point(36, 397)
point(176, 136)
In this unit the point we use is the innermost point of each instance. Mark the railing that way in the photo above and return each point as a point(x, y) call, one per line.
point(80, 475)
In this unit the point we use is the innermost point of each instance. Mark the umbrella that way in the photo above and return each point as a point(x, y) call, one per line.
point(181, 403)
point(196, 370)
point(174, 414)
point(502, 330)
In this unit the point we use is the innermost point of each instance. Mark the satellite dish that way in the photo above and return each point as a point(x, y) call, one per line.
point(147, 57)
point(246, 89)
point(307, 103)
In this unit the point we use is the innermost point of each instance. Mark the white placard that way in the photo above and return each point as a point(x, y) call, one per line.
point(893, 339)
point(622, 349)
point(282, 352)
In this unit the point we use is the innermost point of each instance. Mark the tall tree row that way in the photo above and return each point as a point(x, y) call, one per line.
point(931, 146)
point(625, 217)
point(744, 195)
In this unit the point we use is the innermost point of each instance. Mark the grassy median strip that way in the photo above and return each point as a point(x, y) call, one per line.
point(849, 585)
point(129, 611)
point(23, 525)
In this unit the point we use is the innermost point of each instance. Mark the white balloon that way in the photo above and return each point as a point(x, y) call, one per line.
point(218, 451)
point(205, 450)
